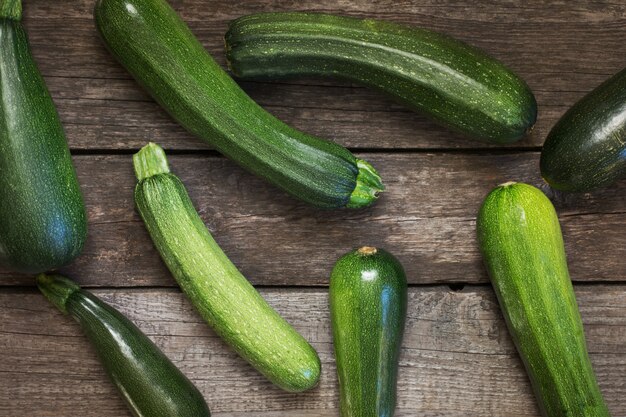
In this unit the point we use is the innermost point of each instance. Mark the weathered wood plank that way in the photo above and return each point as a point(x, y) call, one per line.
point(607, 12)
point(427, 218)
point(457, 358)
point(561, 51)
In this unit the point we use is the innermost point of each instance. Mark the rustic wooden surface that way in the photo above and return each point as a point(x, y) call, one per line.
point(457, 358)
point(427, 218)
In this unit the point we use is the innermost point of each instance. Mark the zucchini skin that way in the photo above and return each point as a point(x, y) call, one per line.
point(43, 224)
point(220, 293)
point(455, 84)
point(149, 382)
point(522, 246)
point(150, 40)
point(368, 303)
point(586, 149)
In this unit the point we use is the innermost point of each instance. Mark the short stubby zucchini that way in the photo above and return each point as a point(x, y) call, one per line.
point(368, 302)
point(522, 246)
point(151, 41)
point(43, 224)
point(455, 84)
point(586, 149)
point(220, 293)
point(149, 382)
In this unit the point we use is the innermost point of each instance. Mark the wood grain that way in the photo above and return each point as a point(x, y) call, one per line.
point(457, 358)
point(426, 218)
point(562, 51)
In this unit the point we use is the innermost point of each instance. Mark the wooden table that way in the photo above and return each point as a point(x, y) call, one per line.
point(457, 357)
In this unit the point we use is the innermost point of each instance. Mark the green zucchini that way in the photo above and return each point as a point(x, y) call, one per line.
point(42, 216)
point(520, 239)
point(158, 49)
point(368, 301)
point(457, 85)
point(147, 380)
point(220, 293)
point(586, 149)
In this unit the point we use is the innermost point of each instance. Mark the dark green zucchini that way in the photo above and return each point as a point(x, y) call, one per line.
point(520, 239)
point(455, 84)
point(147, 380)
point(368, 301)
point(586, 149)
point(42, 216)
point(220, 293)
point(158, 49)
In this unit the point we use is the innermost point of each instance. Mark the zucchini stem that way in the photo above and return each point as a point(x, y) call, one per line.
point(150, 161)
point(368, 186)
point(57, 289)
point(367, 250)
point(11, 9)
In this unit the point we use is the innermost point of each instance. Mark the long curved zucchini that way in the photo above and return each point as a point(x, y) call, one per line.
point(43, 224)
point(455, 84)
point(368, 301)
point(147, 380)
point(522, 246)
point(222, 296)
point(158, 49)
point(586, 149)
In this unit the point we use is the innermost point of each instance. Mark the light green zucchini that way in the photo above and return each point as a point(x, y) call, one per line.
point(520, 239)
point(220, 293)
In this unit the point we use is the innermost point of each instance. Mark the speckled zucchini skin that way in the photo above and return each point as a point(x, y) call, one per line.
point(149, 382)
point(43, 224)
point(149, 39)
point(220, 293)
point(455, 84)
point(368, 302)
point(586, 149)
point(520, 239)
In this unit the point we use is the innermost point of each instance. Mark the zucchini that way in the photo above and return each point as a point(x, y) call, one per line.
point(43, 224)
point(147, 380)
point(520, 239)
point(220, 293)
point(456, 85)
point(586, 149)
point(368, 301)
point(158, 49)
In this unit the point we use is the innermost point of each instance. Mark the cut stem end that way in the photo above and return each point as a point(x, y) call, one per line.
point(150, 161)
point(367, 250)
point(368, 186)
point(507, 184)
point(11, 9)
